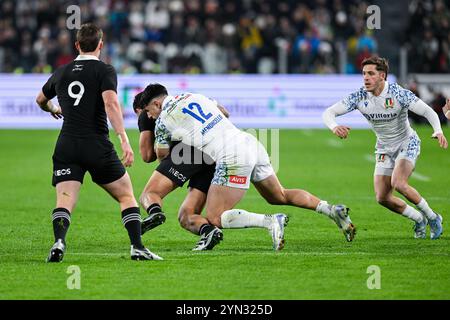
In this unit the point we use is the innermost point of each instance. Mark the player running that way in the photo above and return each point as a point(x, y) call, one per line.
point(385, 105)
point(86, 90)
point(171, 174)
point(240, 158)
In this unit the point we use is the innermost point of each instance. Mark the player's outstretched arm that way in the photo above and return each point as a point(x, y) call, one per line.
point(446, 109)
point(329, 118)
point(47, 105)
point(424, 110)
point(114, 113)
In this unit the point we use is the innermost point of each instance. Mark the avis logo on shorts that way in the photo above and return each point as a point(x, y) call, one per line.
point(62, 172)
point(237, 179)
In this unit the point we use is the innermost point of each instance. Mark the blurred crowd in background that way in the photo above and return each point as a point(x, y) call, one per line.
point(428, 36)
point(217, 36)
point(191, 36)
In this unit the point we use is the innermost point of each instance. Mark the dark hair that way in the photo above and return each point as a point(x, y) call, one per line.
point(89, 36)
point(380, 63)
point(152, 91)
point(137, 104)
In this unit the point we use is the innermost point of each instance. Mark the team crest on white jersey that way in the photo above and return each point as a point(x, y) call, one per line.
point(389, 103)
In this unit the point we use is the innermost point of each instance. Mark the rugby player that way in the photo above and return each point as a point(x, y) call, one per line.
point(170, 175)
point(86, 90)
point(239, 157)
point(385, 105)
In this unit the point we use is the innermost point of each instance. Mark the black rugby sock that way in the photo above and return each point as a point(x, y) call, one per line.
point(61, 223)
point(205, 228)
point(131, 220)
point(154, 208)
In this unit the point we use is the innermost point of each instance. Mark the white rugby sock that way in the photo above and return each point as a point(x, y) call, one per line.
point(413, 214)
point(238, 218)
point(425, 209)
point(324, 208)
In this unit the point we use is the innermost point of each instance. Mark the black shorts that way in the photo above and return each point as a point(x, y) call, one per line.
point(198, 174)
point(74, 156)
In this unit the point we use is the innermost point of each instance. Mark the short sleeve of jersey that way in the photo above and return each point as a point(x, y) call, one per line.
point(352, 100)
point(49, 89)
point(404, 96)
point(162, 135)
point(145, 123)
point(109, 79)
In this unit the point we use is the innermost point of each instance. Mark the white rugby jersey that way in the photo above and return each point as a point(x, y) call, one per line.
point(387, 113)
point(197, 121)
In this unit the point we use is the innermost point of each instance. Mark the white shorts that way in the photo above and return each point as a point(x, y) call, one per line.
point(409, 150)
point(247, 162)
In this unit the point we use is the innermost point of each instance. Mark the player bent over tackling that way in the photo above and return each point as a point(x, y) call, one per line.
point(179, 164)
point(385, 105)
point(239, 159)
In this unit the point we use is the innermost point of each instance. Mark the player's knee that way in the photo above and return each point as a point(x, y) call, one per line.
point(382, 199)
point(400, 186)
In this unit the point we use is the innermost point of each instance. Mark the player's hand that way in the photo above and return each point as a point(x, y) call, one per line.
point(442, 140)
point(57, 114)
point(341, 131)
point(128, 154)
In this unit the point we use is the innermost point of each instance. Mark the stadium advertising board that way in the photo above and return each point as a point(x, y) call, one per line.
point(254, 101)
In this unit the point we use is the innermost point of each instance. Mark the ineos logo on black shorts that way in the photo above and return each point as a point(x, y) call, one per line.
point(177, 174)
point(62, 172)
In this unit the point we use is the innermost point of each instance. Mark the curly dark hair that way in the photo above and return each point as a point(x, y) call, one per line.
point(152, 91)
point(137, 104)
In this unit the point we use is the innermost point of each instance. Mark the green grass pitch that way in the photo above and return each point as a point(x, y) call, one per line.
point(317, 262)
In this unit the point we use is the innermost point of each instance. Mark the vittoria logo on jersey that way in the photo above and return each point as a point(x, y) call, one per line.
point(380, 117)
point(366, 103)
point(389, 103)
point(238, 180)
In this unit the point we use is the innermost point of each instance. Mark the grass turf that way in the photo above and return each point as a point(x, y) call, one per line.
point(317, 262)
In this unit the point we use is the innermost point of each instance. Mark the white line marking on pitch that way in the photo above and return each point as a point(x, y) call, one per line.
point(420, 177)
point(415, 175)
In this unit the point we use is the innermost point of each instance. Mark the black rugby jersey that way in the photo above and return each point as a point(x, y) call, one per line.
point(145, 123)
point(79, 86)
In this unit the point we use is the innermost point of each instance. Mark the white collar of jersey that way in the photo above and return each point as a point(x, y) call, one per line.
point(383, 93)
point(82, 57)
point(166, 101)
